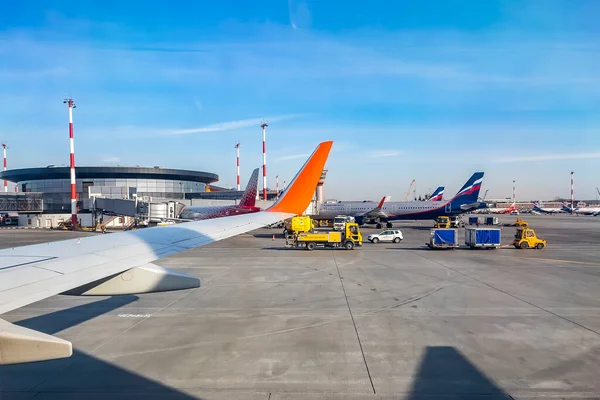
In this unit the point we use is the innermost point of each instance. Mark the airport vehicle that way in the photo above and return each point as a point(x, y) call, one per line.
point(121, 263)
point(437, 195)
point(339, 222)
point(298, 224)
point(246, 205)
point(525, 238)
point(482, 237)
point(547, 210)
point(442, 221)
point(386, 212)
point(10, 220)
point(390, 235)
point(347, 239)
point(442, 238)
point(491, 221)
point(474, 221)
point(521, 222)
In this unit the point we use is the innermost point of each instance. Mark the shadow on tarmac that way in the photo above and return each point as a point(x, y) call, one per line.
point(81, 375)
point(444, 372)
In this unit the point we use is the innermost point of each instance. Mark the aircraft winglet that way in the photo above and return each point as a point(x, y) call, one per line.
point(297, 196)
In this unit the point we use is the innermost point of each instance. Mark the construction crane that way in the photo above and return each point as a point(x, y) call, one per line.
point(598, 190)
point(412, 184)
point(484, 195)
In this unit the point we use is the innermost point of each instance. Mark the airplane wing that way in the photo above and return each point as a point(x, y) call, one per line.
point(377, 212)
point(121, 263)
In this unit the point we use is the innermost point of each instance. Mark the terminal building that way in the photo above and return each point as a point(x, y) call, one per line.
point(53, 184)
point(42, 196)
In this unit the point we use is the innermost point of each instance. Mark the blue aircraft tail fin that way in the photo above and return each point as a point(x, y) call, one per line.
point(469, 193)
point(437, 195)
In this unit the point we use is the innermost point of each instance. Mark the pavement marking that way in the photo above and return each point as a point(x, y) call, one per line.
point(354, 323)
point(554, 260)
point(135, 315)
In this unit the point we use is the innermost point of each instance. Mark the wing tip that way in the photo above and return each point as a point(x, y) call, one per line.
point(299, 193)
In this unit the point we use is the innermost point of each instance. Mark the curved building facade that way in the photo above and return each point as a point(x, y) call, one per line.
point(112, 182)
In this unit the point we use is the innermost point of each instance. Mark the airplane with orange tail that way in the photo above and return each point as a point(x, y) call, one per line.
point(246, 205)
point(501, 210)
point(122, 263)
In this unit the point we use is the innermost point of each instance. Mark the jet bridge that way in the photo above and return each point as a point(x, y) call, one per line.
point(142, 211)
point(22, 202)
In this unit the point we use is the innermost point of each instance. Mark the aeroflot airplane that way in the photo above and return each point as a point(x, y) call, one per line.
point(367, 213)
point(247, 205)
point(547, 210)
point(437, 195)
point(582, 210)
point(121, 263)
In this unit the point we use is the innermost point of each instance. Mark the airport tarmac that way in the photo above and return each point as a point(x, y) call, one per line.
point(386, 321)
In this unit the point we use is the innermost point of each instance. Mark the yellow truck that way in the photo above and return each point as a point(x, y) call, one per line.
point(442, 222)
point(298, 224)
point(348, 238)
point(525, 238)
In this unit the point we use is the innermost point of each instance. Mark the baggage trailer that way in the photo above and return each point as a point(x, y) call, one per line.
point(482, 237)
point(491, 221)
point(443, 239)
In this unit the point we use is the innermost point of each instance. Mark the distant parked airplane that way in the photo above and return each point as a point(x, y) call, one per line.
point(247, 205)
point(547, 210)
point(437, 195)
point(378, 213)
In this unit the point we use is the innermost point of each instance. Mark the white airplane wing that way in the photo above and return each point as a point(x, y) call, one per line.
point(121, 263)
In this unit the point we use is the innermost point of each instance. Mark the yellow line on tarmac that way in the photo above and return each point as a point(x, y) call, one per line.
point(555, 260)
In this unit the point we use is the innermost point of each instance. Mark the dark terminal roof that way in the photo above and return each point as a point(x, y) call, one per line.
point(51, 172)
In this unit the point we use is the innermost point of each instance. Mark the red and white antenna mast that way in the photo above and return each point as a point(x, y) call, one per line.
point(264, 137)
point(69, 101)
point(5, 181)
point(237, 147)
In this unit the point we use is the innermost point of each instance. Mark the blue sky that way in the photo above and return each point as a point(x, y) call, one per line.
point(427, 90)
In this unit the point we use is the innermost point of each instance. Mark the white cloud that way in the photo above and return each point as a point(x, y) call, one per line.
point(383, 153)
point(228, 126)
point(548, 157)
point(292, 157)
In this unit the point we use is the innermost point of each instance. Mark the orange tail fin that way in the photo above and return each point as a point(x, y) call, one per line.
point(297, 196)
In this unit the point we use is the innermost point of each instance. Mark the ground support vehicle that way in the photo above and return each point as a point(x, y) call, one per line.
point(474, 221)
point(482, 237)
point(491, 221)
point(449, 222)
point(340, 221)
point(298, 224)
point(349, 238)
point(525, 238)
point(390, 235)
point(442, 222)
point(442, 238)
point(521, 222)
